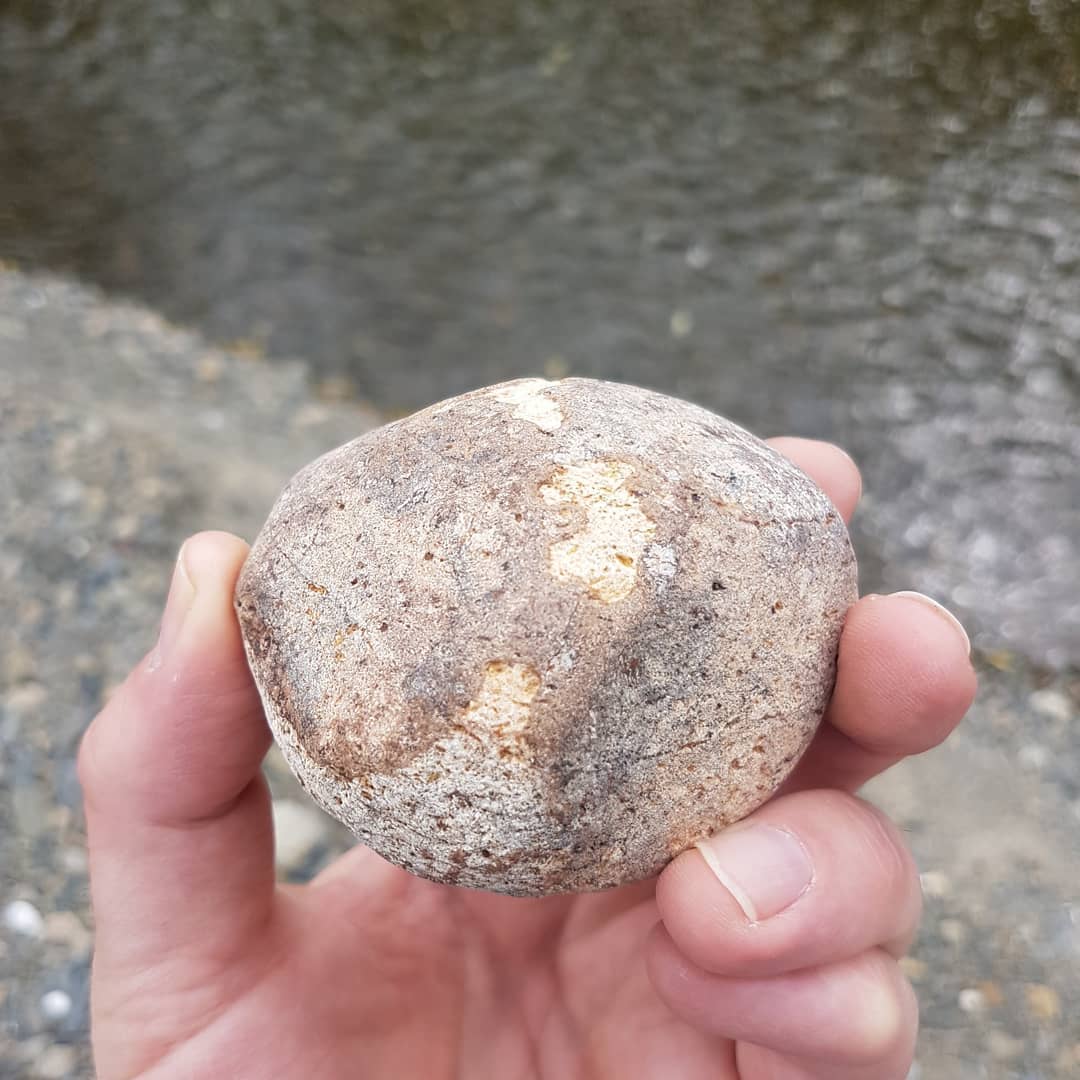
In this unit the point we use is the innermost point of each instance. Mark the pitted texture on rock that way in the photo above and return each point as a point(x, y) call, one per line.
point(538, 658)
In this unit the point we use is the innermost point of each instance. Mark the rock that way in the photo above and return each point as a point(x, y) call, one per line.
point(935, 884)
point(542, 637)
point(1003, 1046)
point(1052, 704)
point(914, 968)
point(55, 1063)
point(66, 928)
point(21, 917)
point(298, 832)
point(56, 1005)
point(24, 700)
point(1034, 757)
point(1043, 1002)
point(953, 931)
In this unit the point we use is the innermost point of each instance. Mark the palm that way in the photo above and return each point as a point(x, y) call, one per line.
point(370, 972)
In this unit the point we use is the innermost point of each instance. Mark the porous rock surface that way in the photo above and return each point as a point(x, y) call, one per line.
point(544, 636)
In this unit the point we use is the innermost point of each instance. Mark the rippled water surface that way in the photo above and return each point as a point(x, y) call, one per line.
point(856, 220)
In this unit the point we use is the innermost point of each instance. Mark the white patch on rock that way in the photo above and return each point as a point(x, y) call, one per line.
point(532, 404)
point(564, 661)
point(605, 554)
point(661, 564)
point(484, 541)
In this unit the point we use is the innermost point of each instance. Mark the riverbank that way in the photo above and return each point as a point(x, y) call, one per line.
point(120, 434)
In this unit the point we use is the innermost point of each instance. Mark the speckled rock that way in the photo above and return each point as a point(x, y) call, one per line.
point(542, 637)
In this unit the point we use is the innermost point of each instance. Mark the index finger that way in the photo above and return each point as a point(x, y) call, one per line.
point(904, 678)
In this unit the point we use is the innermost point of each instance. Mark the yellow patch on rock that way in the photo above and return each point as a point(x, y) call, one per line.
point(606, 553)
point(503, 703)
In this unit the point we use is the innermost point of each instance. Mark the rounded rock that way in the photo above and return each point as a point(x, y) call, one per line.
point(544, 636)
point(21, 917)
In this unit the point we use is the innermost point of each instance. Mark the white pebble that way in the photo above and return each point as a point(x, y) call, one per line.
point(935, 884)
point(21, 917)
point(1052, 704)
point(73, 860)
point(56, 1005)
point(971, 1000)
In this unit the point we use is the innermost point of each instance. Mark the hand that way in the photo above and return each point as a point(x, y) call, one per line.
point(768, 954)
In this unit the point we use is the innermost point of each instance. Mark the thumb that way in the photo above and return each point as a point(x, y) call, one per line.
point(178, 815)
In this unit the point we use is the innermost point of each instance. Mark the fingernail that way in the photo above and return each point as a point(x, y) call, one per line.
point(953, 621)
point(181, 595)
point(764, 868)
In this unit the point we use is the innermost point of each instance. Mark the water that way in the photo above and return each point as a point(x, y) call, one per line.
point(854, 220)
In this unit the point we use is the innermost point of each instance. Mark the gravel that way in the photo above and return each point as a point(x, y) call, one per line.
point(120, 435)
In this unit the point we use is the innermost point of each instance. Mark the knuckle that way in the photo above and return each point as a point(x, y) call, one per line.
point(882, 1027)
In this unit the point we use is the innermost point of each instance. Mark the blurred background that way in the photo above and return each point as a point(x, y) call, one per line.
point(236, 233)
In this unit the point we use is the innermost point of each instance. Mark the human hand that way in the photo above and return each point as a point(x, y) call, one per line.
point(770, 953)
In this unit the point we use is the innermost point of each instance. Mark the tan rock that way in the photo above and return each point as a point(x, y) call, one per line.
point(544, 636)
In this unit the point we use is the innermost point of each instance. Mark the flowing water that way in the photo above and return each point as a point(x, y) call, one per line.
point(846, 219)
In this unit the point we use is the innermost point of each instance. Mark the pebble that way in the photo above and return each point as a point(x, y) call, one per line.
point(1043, 1002)
point(975, 999)
point(953, 931)
point(56, 1005)
point(26, 699)
point(298, 830)
point(66, 928)
point(935, 884)
point(913, 968)
point(31, 1049)
point(55, 1063)
point(1033, 757)
point(1052, 704)
point(1005, 1047)
point(971, 1000)
point(73, 860)
point(21, 917)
